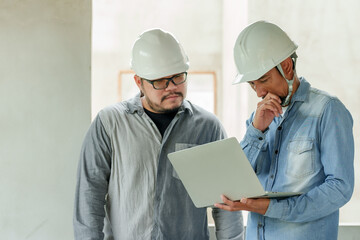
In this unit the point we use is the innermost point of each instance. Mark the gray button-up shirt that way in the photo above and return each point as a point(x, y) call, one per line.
point(124, 167)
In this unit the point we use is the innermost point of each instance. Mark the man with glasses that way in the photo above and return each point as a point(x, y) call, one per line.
point(124, 164)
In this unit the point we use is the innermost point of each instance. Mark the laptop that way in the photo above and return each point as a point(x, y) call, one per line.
point(207, 171)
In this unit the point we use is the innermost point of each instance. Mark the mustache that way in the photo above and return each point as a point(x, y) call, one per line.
point(172, 94)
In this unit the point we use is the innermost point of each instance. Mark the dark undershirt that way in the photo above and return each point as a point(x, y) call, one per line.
point(161, 120)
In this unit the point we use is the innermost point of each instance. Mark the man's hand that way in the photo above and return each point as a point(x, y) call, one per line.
point(267, 110)
point(259, 205)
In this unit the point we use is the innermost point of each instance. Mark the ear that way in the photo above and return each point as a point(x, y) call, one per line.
point(287, 66)
point(137, 81)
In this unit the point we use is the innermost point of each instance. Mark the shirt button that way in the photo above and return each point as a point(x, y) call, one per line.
point(276, 151)
point(279, 128)
point(260, 138)
point(272, 176)
point(260, 225)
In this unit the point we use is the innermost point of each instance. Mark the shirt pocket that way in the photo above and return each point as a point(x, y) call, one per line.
point(300, 162)
point(178, 147)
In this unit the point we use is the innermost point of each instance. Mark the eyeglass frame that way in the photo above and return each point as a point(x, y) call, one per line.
point(168, 81)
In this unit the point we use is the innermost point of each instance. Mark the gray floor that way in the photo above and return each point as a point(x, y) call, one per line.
point(345, 233)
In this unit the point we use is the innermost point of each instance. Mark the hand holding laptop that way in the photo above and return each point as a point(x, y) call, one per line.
point(219, 168)
point(258, 205)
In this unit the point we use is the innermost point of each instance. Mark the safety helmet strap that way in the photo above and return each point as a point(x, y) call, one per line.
point(289, 82)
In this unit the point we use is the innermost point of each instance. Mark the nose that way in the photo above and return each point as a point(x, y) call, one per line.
point(171, 86)
point(260, 91)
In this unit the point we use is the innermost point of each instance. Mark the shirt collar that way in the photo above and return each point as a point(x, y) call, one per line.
point(134, 105)
point(302, 91)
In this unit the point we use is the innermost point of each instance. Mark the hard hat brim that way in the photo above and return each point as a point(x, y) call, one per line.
point(238, 79)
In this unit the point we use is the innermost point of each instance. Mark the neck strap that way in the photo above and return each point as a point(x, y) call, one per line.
point(289, 82)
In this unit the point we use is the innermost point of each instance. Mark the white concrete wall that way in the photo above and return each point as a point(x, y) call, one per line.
point(45, 57)
point(234, 97)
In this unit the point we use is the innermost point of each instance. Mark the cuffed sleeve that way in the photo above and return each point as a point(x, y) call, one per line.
point(253, 143)
point(228, 225)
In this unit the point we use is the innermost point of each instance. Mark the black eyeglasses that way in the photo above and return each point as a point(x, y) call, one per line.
point(164, 82)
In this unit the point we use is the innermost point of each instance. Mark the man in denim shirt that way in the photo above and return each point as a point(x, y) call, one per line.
point(124, 164)
point(299, 139)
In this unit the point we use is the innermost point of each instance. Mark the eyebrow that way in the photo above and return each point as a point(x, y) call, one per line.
point(263, 76)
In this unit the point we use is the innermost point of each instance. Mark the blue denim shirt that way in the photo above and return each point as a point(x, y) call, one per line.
point(124, 166)
point(310, 149)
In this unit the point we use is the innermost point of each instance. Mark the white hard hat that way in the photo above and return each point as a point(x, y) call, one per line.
point(260, 47)
point(157, 54)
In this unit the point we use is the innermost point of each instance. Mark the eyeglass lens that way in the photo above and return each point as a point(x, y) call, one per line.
point(164, 82)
